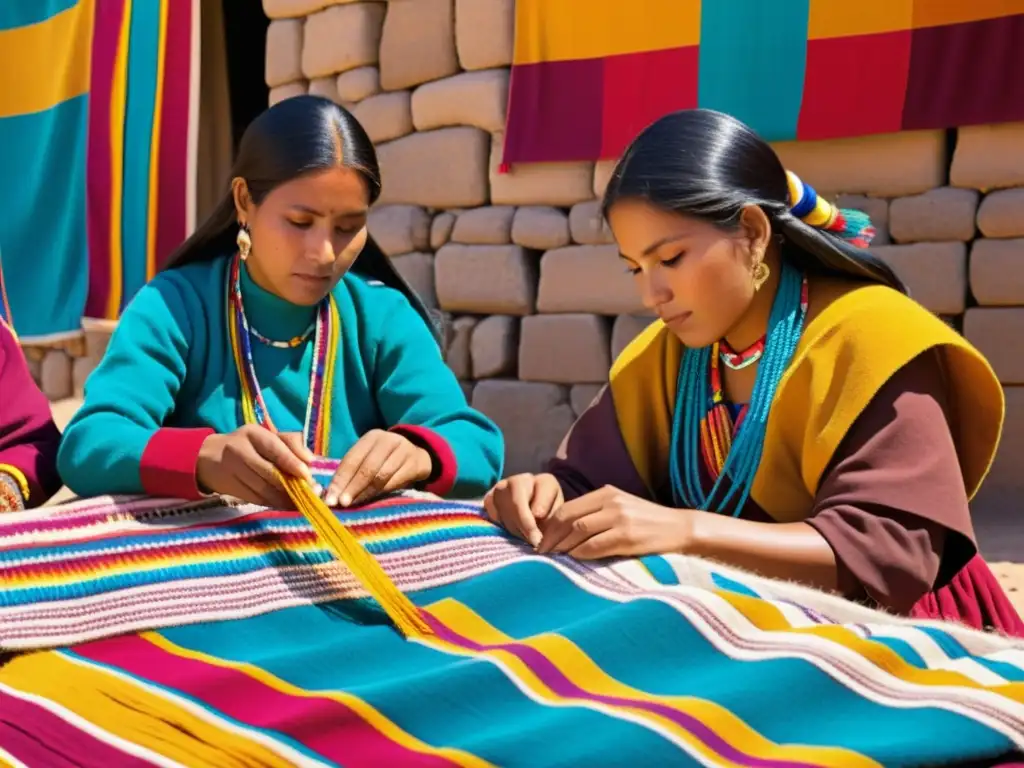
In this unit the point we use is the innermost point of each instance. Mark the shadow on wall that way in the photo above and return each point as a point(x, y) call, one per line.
point(232, 90)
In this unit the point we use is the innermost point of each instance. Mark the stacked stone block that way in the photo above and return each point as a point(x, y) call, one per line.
point(522, 264)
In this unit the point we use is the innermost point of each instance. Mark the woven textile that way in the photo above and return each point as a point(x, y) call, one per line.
point(98, 132)
point(588, 76)
point(150, 632)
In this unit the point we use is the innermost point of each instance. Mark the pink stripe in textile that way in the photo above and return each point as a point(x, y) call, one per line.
point(324, 725)
point(172, 176)
point(36, 736)
point(74, 517)
point(106, 37)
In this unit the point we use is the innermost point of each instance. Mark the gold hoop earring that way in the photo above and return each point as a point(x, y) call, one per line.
point(760, 274)
point(244, 242)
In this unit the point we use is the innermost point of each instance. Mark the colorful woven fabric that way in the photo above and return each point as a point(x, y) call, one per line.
point(587, 77)
point(97, 140)
point(149, 632)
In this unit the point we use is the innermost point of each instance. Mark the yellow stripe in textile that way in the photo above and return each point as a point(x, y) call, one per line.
point(932, 13)
point(585, 674)
point(768, 618)
point(563, 30)
point(46, 63)
point(370, 715)
point(7, 760)
point(841, 18)
point(154, 147)
point(118, 105)
point(136, 714)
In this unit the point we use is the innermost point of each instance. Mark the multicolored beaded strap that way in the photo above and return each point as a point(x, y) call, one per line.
point(718, 426)
point(804, 203)
point(702, 427)
point(317, 427)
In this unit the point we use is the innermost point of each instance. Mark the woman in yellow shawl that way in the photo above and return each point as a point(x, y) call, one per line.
point(792, 412)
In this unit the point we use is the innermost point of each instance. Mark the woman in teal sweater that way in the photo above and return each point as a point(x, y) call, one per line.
point(281, 312)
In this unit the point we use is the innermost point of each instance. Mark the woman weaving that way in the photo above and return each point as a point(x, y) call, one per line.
point(280, 311)
point(792, 412)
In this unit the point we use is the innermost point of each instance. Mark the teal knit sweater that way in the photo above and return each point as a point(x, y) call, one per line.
point(168, 378)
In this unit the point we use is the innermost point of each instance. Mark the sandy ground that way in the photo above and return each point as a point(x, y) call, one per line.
point(1002, 539)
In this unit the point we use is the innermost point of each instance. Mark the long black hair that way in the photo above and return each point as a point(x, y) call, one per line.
point(709, 165)
point(294, 137)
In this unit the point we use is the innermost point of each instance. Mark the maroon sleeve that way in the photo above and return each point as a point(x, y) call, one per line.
point(594, 454)
point(892, 504)
point(29, 438)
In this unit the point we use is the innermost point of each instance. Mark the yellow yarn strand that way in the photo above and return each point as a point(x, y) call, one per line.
point(347, 548)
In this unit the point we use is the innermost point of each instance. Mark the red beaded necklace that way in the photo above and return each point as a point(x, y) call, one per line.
point(737, 361)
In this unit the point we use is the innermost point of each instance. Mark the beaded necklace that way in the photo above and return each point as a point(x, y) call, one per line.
point(317, 425)
point(737, 361)
point(291, 343)
point(703, 429)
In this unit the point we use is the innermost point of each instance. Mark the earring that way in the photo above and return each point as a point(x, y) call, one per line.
point(760, 274)
point(244, 242)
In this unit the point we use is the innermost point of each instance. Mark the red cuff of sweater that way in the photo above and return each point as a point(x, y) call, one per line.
point(168, 465)
point(442, 479)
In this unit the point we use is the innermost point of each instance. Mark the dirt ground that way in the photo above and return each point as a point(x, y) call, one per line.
point(1002, 540)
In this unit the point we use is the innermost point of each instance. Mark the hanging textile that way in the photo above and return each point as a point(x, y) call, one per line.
point(98, 107)
point(587, 77)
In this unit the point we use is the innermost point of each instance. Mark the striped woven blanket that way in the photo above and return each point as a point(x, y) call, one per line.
point(150, 632)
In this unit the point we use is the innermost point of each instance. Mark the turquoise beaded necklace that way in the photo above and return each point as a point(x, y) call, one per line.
point(695, 398)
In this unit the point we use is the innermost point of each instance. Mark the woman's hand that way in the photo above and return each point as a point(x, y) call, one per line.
point(379, 462)
point(519, 503)
point(242, 463)
point(611, 523)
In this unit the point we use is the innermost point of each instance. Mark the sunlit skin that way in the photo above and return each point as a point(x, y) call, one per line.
point(306, 233)
point(698, 278)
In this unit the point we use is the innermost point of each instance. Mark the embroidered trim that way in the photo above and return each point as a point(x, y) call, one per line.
point(21, 482)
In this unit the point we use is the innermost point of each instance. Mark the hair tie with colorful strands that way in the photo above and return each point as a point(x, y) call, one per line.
point(815, 211)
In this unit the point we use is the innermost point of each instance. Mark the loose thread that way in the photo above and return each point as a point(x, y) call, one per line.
point(347, 549)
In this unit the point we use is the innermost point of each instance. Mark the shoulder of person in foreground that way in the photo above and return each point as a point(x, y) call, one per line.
point(418, 394)
point(28, 435)
point(115, 442)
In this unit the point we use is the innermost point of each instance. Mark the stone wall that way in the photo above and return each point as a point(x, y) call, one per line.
point(521, 262)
